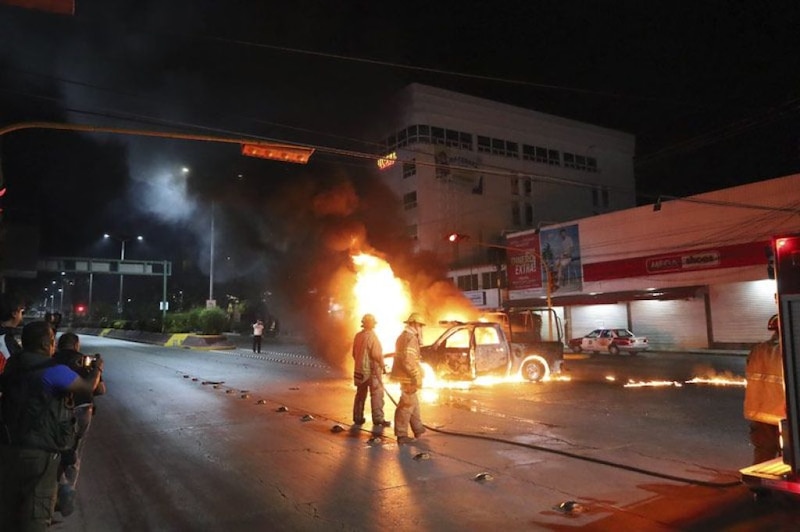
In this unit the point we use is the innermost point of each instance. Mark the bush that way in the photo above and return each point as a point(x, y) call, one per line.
point(213, 321)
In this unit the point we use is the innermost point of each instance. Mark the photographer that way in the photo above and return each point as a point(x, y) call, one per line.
point(37, 426)
point(69, 354)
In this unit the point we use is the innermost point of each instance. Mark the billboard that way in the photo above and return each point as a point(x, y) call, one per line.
point(532, 256)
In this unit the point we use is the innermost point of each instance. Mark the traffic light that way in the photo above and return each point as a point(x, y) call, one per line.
point(456, 237)
point(278, 152)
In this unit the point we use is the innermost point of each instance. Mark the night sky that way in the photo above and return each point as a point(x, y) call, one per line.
point(710, 89)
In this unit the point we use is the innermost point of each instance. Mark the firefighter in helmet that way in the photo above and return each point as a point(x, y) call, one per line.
point(407, 370)
point(764, 398)
point(368, 373)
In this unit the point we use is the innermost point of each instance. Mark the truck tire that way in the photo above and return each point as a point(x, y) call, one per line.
point(533, 370)
point(613, 349)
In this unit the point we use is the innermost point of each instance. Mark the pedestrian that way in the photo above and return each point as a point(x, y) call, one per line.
point(764, 396)
point(38, 425)
point(258, 332)
point(368, 373)
point(69, 354)
point(407, 370)
point(12, 310)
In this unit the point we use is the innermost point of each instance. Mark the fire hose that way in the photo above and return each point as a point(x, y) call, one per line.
point(568, 454)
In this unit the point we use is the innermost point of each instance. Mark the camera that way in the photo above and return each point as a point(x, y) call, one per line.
point(89, 361)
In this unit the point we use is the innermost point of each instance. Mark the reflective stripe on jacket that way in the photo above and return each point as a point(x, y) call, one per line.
point(764, 397)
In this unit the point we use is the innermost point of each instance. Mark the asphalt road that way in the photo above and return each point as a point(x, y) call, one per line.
point(193, 440)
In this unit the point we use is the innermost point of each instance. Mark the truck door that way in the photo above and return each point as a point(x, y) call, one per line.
point(492, 354)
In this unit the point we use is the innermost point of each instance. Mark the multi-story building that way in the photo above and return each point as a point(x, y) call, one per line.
point(480, 169)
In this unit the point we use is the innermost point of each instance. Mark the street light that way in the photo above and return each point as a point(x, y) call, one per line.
point(121, 259)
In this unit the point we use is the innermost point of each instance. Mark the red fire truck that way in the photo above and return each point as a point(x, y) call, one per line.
point(783, 474)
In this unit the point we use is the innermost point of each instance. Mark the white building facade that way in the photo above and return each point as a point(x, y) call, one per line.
point(480, 169)
point(687, 273)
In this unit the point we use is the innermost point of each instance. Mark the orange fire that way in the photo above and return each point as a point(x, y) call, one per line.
point(378, 292)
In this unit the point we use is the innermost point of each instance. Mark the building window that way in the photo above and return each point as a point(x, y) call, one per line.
point(528, 214)
point(528, 152)
point(465, 141)
point(409, 168)
point(580, 162)
point(591, 164)
point(451, 138)
point(514, 186)
point(498, 147)
point(424, 134)
point(437, 135)
point(512, 149)
point(413, 135)
point(569, 160)
point(484, 144)
point(490, 280)
point(515, 215)
point(410, 200)
point(468, 282)
point(553, 158)
point(541, 155)
point(527, 185)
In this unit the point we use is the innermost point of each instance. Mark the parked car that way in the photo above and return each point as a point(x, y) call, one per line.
point(612, 340)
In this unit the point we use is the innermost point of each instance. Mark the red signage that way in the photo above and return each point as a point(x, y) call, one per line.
point(524, 267)
point(748, 254)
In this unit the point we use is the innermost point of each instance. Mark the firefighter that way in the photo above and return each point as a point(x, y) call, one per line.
point(764, 397)
point(407, 370)
point(368, 373)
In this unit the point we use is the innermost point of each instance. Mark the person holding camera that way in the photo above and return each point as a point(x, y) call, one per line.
point(69, 354)
point(37, 426)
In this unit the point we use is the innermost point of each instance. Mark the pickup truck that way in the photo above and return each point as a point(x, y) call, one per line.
point(468, 350)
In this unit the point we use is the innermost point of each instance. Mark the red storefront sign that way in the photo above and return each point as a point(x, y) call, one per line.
point(748, 254)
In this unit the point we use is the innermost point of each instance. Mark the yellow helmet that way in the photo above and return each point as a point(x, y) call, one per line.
point(415, 317)
point(368, 320)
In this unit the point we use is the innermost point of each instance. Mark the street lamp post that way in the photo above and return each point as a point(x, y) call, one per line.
point(121, 259)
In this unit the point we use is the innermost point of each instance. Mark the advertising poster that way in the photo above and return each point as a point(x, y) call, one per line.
point(524, 266)
point(560, 250)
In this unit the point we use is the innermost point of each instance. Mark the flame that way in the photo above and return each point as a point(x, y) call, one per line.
point(718, 381)
point(641, 384)
point(378, 292)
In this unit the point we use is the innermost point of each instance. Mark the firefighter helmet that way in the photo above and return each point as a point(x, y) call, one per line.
point(772, 324)
point(415, 318)
point(368, 320)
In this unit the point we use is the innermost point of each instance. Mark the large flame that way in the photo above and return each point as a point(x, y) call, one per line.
point(378, 292)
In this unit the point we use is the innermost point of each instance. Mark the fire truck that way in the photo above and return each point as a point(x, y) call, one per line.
point(783, 473)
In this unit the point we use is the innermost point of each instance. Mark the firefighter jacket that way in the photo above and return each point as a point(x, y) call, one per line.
point(367, 355)
point(407, 368)
point(764, 397)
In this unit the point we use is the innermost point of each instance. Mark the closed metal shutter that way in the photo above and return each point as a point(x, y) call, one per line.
point(739, 311)
point(676, 323)
point(586, 318)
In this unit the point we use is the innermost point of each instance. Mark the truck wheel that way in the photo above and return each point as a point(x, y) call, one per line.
point(534, 370)
point(613, 349)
